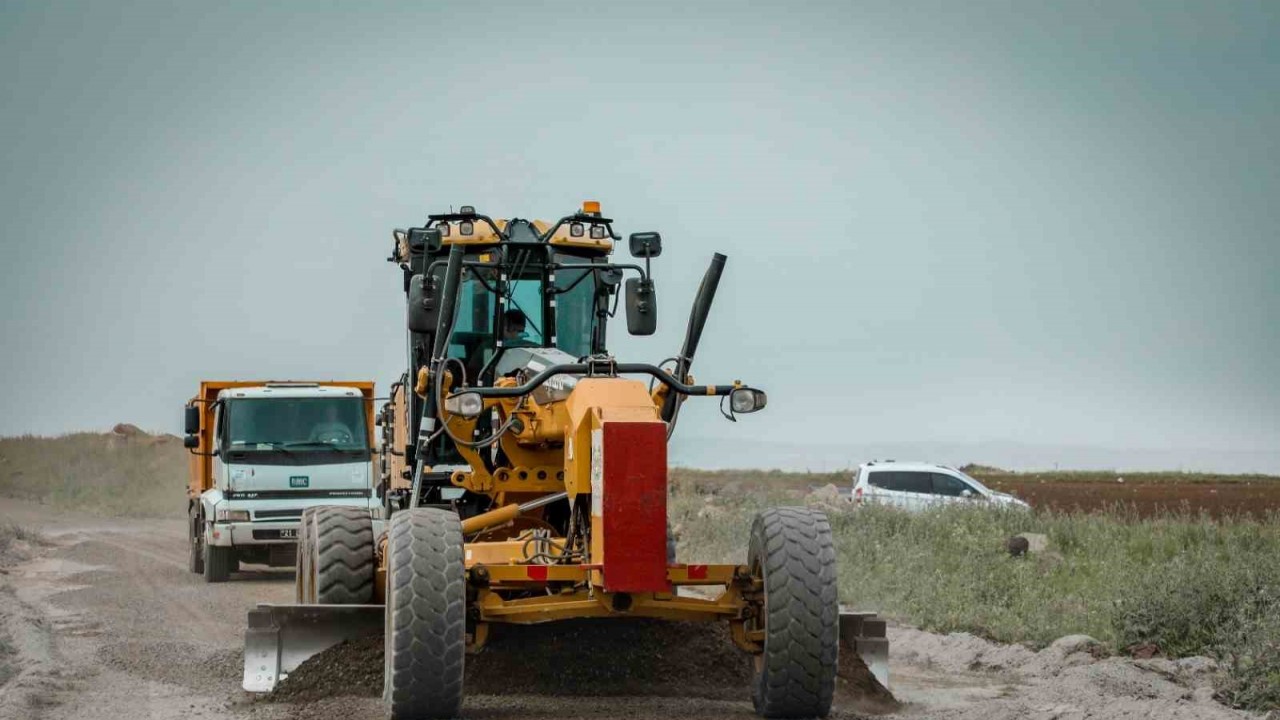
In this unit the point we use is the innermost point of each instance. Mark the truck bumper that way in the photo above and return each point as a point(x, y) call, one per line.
point(239, 534)
point(253, 533)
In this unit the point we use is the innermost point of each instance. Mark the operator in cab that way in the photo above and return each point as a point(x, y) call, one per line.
point(513, 329)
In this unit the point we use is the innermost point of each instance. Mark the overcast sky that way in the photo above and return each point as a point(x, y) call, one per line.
point(950, 222)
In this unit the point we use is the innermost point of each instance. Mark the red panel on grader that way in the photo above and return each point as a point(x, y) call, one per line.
point(635, 507)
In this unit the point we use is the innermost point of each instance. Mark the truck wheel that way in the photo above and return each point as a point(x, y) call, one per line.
point(791, 551)
point(302, 580)
point(340, 555)
point(195, 542)
point(217, 563)
point(425, 615)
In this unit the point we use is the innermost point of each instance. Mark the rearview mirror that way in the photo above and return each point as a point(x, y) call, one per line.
point(191, 419)
point(646, 244)
point(642, 306)
point(424, 306)
point(425, 239)
point(191, 442)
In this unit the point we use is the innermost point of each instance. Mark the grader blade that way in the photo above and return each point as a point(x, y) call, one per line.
point(865, 635)
point(280, 637)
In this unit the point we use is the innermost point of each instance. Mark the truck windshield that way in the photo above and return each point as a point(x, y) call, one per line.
point(336, 423)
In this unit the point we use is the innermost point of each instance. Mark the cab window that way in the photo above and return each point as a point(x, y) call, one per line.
point(575, 310)
point(947, 485)
point(526, 298)
point(902, 481)
point(472, 339)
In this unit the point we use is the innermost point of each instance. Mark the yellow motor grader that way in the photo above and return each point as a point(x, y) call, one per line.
point(524, 479)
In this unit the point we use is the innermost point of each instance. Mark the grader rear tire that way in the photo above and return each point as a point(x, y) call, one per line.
point(340, 555)
point(425, 615)
point(792, 552)
point(302, 580)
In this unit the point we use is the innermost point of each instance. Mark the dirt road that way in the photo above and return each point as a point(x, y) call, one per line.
point(106, 622)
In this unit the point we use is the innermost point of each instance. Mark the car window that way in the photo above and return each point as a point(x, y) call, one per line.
point(948, 485)
point(901, 481)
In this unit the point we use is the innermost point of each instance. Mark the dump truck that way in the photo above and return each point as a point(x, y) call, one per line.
point(523, 479)
point(262, 454)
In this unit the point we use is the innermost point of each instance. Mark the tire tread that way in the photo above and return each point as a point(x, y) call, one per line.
point(794, 549)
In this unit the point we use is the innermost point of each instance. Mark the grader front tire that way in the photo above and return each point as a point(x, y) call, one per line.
point(792, 552)
point(425, 615)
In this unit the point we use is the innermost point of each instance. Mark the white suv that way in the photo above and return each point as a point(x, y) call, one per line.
point(918, 486)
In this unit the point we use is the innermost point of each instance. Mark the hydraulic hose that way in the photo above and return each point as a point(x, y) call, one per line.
point(693, 335)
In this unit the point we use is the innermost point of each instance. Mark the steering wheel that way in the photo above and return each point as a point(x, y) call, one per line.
point(336, 436)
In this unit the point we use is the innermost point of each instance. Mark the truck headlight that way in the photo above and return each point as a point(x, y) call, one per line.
point(224, 515)
point(467, 404)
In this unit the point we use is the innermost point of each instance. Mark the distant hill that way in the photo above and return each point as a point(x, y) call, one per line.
point(122, 472)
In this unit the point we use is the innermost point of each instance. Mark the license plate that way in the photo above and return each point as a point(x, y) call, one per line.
point(299, 481)
point(289, 533)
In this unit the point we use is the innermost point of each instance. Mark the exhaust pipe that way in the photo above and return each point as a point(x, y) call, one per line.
point(440, 344)
point(448, 303)
point(697, 321)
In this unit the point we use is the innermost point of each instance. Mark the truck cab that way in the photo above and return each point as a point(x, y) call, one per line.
point(262, 453)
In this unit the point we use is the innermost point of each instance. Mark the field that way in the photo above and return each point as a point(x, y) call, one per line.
point(1140, 580)
point(1144, 493)
point(1163, 564)
point(1147, 494)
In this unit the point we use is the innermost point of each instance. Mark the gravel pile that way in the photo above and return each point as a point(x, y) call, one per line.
point(581, 658)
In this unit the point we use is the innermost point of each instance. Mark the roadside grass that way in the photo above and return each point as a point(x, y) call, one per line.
point(1186, 584)
point(10, 533)
point(134, 476)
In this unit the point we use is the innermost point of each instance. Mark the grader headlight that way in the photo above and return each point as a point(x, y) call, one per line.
point(467, 404)
point(747, 400)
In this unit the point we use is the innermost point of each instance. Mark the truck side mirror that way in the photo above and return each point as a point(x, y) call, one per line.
point(645, 244)
point(191, 442)
point(191, 419)
point(424, 306)
point(642, 306)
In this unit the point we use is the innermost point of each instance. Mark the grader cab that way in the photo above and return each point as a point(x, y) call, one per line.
point(524, 479)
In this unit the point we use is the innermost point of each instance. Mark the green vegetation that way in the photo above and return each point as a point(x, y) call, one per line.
point(9, 533)
point(1185, 584)
point(134, 475)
